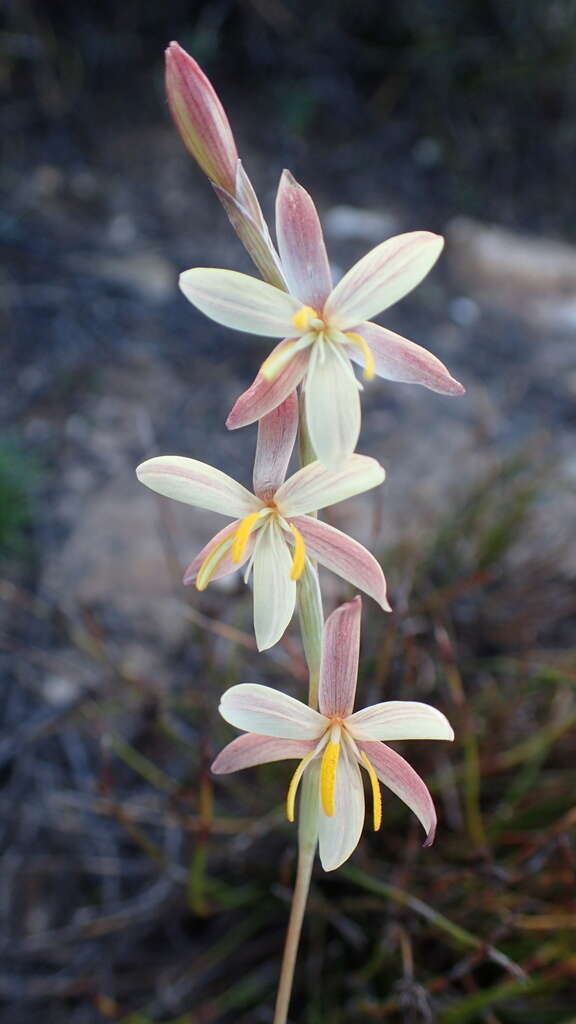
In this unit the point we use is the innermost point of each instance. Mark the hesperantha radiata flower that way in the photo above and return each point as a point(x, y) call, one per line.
point(323, 329)
point(335, 743)
point(273, 533)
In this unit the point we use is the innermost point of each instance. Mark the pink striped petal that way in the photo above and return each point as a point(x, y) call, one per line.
point(241, 302)
point(383, 276)
point(315, 487)
point(196, 483)
point(401, 778)
point(200, 117)
point(400, 720)
point(339, 663)
point(276, 436)
point(249, 750)
point(269, 712)
point(301, 244)
point(226, 565)
point(339, 835)
point(397, 358)
point(264, 395)
point(344, 556)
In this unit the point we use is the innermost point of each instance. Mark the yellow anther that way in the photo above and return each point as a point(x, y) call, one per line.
point(328, 777)
point(211, 563)
point(376, 794)
point(299, 557)
point(242, 534)
point(302, 318)
point(294, 783)
point(366, 351)
point(277, 360)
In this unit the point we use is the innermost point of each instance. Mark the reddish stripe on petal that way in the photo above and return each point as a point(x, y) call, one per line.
point(396, 358)
point(249, 750)
point(264, 395)
point(276, 437)
point(344, 556)
point(401, 778)
point(200, 117)
point(301, 244)
point(339, 663)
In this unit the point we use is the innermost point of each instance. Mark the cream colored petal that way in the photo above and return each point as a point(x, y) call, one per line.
point(332, 403)
point(400, 720)
point(196, 483)
point(274, 590)
point(315, 487)
point(267, 712)
point(382, 277)
point(401, 778)
point(339, 835)
point(241, 302)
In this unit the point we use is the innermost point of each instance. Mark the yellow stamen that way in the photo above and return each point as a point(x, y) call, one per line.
point(242, 534)
point(328, 777)
point(366, 351)
point(302, 318)
point(211, 563)
point(376, 794)
point(299, 557)
point(294, 783)
point(276, 361)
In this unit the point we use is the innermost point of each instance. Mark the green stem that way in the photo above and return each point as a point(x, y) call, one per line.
point(297, 911)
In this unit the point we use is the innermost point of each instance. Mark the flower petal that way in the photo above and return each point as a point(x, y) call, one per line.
point(274, 590)
point(196, 483)
point(268, 712)
point(344, 556)
point(332, 404)
point(340, 834)
point(276, 436)
point(301, 244)
point(250, 749)
point(264, 395)
point(226, 565)
point(383, 276)
point(239, 301)
point(314, 487)
point(400, 720)
point(397, 358)
point(401, 778)
point(339, 664)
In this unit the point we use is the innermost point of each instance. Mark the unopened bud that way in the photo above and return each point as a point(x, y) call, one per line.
point(200, 118)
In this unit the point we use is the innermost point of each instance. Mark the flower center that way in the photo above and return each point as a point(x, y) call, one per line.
point(313, 328)
point(329, 747)
point(236, 543)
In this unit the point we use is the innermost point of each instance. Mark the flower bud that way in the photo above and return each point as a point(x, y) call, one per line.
point(200, 118)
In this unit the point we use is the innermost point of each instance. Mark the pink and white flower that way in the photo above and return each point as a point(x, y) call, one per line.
point(323, 328)
point(334, 743)
point(273, 533)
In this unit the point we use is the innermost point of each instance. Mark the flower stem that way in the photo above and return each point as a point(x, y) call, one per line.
point(297, 910)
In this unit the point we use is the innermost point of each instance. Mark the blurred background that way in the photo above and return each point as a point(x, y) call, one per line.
point(134, 887)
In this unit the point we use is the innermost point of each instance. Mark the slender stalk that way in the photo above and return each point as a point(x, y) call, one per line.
point(297, 911)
